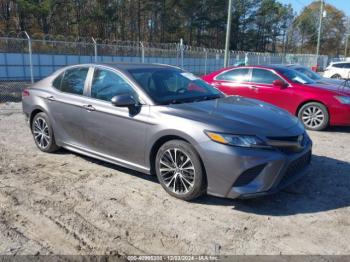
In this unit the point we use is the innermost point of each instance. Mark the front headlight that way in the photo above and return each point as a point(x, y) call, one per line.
point(237, 140)
point(343, 99)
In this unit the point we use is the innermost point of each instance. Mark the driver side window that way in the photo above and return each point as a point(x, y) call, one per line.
point(262, 76)
point(107, 84)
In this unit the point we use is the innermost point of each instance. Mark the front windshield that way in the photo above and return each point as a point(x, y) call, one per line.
point(170, 86)
point(308, 72)
point(295, 76)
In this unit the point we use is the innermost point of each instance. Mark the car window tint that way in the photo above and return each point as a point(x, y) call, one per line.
point(171, 85)
point(73, 80)
point(107, 84)
point(338, 65)
point(236, 75)
point(263, 76)
point(347, 65)
point(57, 82)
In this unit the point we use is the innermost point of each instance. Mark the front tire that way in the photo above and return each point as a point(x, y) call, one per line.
point(314, 116)
point(336, 76)
point(179, 170)
point(43, 133)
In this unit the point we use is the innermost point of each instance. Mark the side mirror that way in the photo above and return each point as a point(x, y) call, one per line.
point(124, 100)
point(279, 83)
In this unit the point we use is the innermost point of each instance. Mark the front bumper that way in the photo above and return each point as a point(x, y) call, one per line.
point(225, 165)
point(339, 115)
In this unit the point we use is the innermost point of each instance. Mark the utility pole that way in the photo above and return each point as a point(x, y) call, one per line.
point(346, 45)
point(319, 31)
point(228, 32)
point(347, 34)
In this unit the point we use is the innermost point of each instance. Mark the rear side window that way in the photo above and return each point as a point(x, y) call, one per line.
point(347, 65)
point(57, 82)
point(263, 76)
point(236, 75)
point(74, 80)
point(338, 65)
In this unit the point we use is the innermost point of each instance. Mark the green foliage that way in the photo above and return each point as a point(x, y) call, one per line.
point(305, 30)
point(257, 25)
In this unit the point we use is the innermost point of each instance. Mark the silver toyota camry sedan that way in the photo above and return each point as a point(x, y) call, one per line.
point(159, 119)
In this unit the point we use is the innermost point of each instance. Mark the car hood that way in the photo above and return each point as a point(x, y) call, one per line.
point(331, 81)
point(332, 86)
point(239, 115)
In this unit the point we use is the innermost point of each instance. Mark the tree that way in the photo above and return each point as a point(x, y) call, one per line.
point(305, 29)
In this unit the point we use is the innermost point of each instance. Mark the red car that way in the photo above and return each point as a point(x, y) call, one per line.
point(316, 105)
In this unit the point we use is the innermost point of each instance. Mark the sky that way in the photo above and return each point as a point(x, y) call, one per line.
point(298, 5)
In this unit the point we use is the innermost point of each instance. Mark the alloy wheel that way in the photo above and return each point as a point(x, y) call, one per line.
point(177, 171)
point(41, 132)
point(313, 117)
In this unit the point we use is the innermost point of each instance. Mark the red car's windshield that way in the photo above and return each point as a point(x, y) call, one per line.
point(295, 76)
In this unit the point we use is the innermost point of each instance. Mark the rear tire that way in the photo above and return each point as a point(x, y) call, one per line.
point(179, 170)
point(314, 116)
point(43, 133)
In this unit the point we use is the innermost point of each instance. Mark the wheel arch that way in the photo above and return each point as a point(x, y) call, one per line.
point(310, 101)
point(34, 112)
point(161, 141)
point(336, 75)
point(157, 144)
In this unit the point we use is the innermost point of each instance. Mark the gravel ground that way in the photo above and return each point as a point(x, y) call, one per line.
point(65, 203)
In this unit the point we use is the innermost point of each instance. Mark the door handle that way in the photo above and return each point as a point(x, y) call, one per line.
point(253, 87)
point(89, 107)
point(51, 98)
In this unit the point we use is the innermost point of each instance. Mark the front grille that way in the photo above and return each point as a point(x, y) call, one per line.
point(296, 166)
point(289, 144)
point(249, 175)
point(284, 138)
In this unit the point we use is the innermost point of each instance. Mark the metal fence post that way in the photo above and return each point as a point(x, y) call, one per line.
point(142, 52)
point(205, 60)
point(182, 52)
point(30, 57)
point(95, 48)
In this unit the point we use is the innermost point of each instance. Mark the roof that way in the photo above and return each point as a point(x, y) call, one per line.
point(272, 66)
point(128, 66)
point(340, 62)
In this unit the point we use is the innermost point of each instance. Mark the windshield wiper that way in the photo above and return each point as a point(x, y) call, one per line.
point(207, 98)
point(189, 100)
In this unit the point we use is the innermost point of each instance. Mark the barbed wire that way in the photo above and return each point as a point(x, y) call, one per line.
point(55, 40)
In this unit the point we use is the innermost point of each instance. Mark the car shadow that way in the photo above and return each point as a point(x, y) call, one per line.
point(338, 129)
point(325, 188)
point(115, 167)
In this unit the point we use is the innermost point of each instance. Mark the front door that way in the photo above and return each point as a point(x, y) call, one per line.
point(115, 132)
point(262, 84)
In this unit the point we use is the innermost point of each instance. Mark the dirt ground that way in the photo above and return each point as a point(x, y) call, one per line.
point(65, 203)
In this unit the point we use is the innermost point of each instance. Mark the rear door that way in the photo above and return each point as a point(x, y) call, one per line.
point(234, 82)
point(264, 89)
point(66, 106)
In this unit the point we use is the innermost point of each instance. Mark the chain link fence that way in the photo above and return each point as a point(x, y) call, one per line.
point(24, 60)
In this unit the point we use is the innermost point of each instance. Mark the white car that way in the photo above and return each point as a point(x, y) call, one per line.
point(338, 70)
